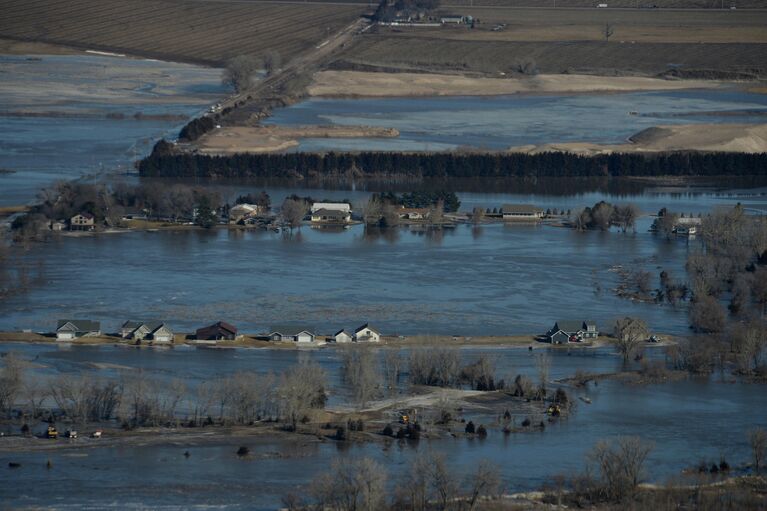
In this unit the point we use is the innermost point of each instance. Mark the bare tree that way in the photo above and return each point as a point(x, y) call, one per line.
point(11, 377)
point(301, 390)
point(625, 216)
point(757, 439)
point(621, 464)
point(665, 223)
point(485, 482)
point(357, 485)
point(392, 364)
point(608, 31)
point(439, 367)
point(239, 72)
point(477, 215)
point(707, 314)
point(443, 483)
point(272, 61)
point(359, 369)
point(629, 334)
point(543, 366)
point(437, 212)
point(293, 212)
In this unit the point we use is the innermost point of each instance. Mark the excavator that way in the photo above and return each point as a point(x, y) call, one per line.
point(52, 432)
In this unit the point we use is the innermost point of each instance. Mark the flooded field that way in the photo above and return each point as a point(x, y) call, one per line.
point(64, 117)
point(434, 124)
point(688, 421)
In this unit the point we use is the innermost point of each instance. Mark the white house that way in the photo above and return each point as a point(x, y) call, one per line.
point(332, 206)
point(292, 334)
point(366, 333)
point(521, 212)
point(70, 329)
point(155, 331)
point(243, 212)
point(342, 336)
point(331, 216)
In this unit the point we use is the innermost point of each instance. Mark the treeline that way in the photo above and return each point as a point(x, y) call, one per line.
point(166, 161)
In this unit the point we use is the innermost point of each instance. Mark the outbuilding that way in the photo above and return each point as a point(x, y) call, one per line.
point(220, 331)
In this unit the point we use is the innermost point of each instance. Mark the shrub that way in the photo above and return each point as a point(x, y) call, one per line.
point(341, 433)
point(481, 431)
point(401, 433)
point(470, 427)
point(526, 422)
point(560, 397)
point(243, 451)
point(387, 430)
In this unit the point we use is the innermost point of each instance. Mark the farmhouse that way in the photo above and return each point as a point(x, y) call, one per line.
point(342, 336)
point(331, 216)
point(299, 334)
point(82, 222)
point(69, 329)
point(220, 331)
point(521, 212)
point(366, 333)
point(567, 331)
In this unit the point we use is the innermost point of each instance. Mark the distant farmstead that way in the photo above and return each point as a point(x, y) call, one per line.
point(564, 332)
point(69, 329)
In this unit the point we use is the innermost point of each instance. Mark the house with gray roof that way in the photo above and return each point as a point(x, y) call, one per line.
point(366, 333)
point(331, 216)
point(70, 329)
point(568, 331)
point(154, 331)
point(287, 333)
point(341, 336)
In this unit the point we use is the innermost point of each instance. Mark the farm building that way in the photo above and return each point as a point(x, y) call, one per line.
point(521, 212)
point(567, 331)
point(220, 331)
point(366, 333)
point(82, 222)
point(300, 334)
point(69, 329)
point(331, 216)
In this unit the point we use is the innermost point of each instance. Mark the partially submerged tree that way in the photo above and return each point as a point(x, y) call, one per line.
point(629, 334)
point(621, 464)
point(293, 212)
point(356, 485)
point(608, 31)
point(757, 439)
point(11, 376)
point(301, 390)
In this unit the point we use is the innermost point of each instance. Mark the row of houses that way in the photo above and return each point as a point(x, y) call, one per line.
point(158, 332)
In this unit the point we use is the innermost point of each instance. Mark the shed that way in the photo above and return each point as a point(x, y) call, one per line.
point(220, 331)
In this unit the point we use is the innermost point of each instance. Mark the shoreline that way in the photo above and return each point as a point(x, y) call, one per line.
point(257, 341)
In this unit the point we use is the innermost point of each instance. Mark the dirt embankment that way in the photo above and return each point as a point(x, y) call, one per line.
point(265, 139)
point(369, 84)
point(746, 138)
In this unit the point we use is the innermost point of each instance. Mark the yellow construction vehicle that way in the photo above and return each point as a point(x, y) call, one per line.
point(52, 432)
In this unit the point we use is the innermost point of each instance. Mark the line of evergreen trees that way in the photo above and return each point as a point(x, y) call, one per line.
point(165, 161)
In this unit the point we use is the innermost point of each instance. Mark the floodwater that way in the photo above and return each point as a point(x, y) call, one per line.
point(443, 123)
point(688, 421)
point(59, 114)
point(492, 279)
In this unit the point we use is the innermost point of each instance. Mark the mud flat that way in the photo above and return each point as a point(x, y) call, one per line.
point(369, 84)
point(267, 139)
point(746, 138)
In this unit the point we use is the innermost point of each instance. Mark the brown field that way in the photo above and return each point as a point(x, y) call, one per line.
point(414, 52)
point(179, 30)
